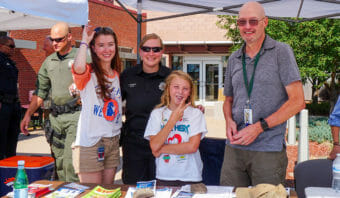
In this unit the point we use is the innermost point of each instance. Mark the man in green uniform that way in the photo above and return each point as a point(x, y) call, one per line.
point(55, 76)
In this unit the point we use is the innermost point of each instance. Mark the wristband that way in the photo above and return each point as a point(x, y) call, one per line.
point(83, 43)
point(264, 124)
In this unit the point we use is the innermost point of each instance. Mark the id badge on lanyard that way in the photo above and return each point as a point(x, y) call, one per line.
point(247, 111)
point(248, 114)
point(101, 152)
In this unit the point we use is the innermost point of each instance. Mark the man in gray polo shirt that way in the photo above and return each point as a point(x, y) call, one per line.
point(263, 90)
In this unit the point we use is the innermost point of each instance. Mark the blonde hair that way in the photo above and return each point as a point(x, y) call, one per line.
point(165, 99)
point(149, 37)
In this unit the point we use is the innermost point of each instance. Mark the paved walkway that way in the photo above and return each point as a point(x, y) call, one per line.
point(35, 144)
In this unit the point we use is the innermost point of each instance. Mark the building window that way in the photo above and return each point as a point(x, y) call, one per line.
point(127, 63)
point(177, 62)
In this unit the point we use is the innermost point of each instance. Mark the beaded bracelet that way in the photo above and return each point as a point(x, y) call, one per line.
point(83, 43)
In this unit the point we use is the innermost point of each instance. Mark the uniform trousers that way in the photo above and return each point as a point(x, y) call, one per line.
point(10, 115)
point(138, 161)
point(65, 130)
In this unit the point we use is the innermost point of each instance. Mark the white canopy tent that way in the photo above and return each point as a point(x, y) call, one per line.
point(306, 9)
point(40, 14)
point(302, 10)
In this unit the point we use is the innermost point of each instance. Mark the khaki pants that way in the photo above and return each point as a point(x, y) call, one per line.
point(85, 159)
point(242, 168)
point(65, 127)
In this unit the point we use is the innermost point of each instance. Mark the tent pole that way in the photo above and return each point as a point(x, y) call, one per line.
point(298, 14)
point(139, 27)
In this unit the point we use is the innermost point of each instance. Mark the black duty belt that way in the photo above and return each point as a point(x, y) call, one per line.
point(8, 98)
point(58, 145)
point(69, 107)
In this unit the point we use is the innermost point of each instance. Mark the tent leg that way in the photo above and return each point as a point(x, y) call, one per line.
point(139, 27)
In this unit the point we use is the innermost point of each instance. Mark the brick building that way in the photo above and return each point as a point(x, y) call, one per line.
point(29, 54)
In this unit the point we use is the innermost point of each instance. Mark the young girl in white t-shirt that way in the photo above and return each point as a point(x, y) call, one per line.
point(175, 129)
point(95, 152)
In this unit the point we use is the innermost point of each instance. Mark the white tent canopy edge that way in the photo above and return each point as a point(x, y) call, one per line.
point(307, 9)
point(41, 14)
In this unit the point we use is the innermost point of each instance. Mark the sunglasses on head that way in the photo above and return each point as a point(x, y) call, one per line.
point(103, 29)
point(58, 40)
point(148, 49)
point(252, 22)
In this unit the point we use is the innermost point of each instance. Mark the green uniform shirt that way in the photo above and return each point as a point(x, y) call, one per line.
point(55, 74)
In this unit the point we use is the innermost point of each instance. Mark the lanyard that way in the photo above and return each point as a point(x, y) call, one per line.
point(249, 86)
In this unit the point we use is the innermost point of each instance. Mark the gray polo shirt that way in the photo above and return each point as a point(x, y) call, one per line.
point(275, 70)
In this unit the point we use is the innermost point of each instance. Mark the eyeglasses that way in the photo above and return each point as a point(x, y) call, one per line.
point(148, 49)
point(103, 29)
point(58, 40)
point(252, 22)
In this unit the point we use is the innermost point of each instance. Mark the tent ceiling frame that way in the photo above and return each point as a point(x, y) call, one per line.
point(226, 9)
point(207, 9)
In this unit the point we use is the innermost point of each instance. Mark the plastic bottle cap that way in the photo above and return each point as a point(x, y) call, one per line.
point(21, 162)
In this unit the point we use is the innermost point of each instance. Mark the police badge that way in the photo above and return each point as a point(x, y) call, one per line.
point(161, 86)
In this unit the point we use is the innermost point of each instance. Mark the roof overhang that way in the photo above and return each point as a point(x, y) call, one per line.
point(197, 47)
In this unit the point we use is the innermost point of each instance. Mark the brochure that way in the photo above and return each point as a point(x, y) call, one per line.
point(147, 184)
point(65, 193)
point(38, 190)
point(100, 192)
point(77, 186)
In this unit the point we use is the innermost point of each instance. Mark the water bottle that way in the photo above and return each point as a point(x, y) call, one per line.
point(336, 173)
point(21, 182)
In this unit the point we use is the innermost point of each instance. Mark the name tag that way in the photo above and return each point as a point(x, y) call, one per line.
point(248, 116)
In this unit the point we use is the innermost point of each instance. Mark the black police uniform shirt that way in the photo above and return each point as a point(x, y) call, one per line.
point(8, 75)
point(142, 92)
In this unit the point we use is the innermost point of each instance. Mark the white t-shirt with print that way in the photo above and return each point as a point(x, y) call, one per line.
point(186, 167)
point(92, 124)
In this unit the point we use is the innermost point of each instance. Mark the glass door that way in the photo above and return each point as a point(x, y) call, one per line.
point(211, 78)
point(193, 68)
point(207, 76)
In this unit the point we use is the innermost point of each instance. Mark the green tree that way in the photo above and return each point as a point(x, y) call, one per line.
point(315, 44)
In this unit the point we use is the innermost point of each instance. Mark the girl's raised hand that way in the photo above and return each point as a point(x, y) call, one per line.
point(88, 34)
point(177, 114)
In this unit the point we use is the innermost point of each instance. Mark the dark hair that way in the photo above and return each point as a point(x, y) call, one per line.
point(115, 63)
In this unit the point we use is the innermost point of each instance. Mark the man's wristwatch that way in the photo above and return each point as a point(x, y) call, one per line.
point(336, 143)
point(264, 124)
